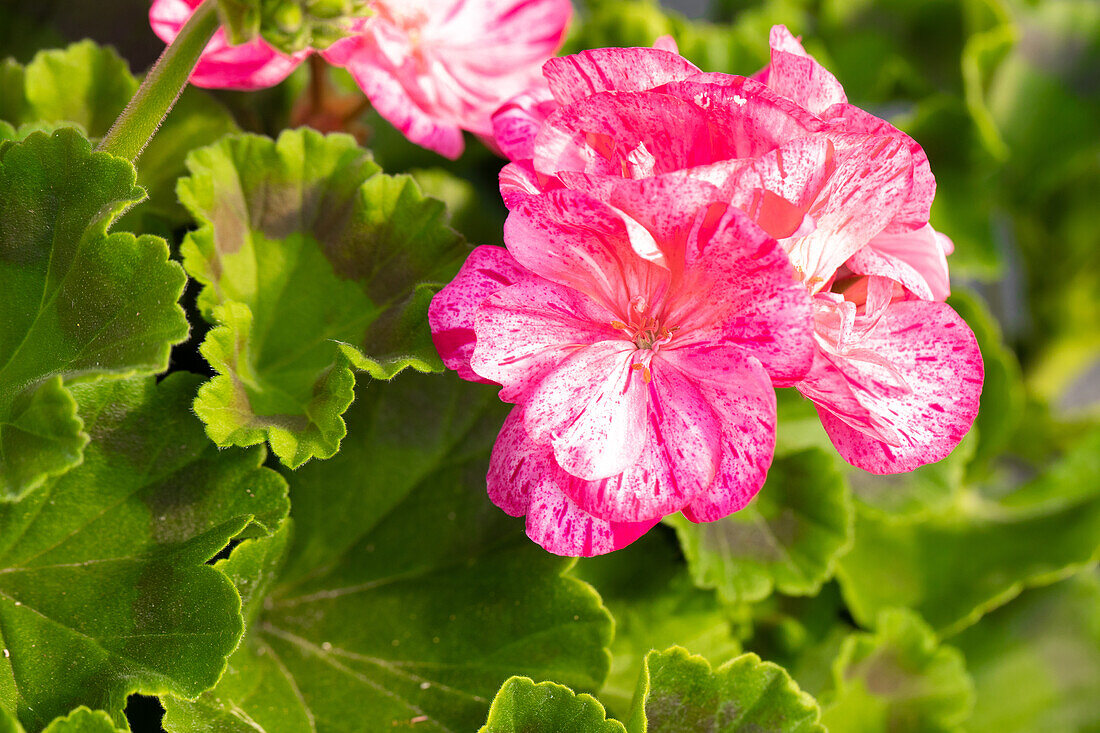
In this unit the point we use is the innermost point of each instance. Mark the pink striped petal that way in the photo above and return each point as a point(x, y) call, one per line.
point(873, 178)
point(911, 400)
point(524, 479)
point(740, 392)
point(586, 73)
point(740, 289)
point(916, 259)
point(575, 240)
point(252, 65)
point(679, 459)
point(517, 122)
point(914, 213)
point(392, 99)
point(798, 76)
point(451, 314)
point(526, 330)
point(751, 118)
point(629, 134)
point(591, 409)
point(436, 67)
point(781, 186)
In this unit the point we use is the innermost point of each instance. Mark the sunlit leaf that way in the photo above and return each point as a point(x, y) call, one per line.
point(75, 302)
point(314, 264)
point(898, 679)
point(405, 597)
point(787, 538)
point(104, 588)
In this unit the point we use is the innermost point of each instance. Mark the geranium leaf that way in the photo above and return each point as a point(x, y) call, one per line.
point(314, 263)
point(103, 586)
point(87, 86)
point(787, 538)
point(405, 597)
point(1036, 661)
point(955, 564)
point(898, 679)
point(676, 692)
point(75, 301)
point(81, 720)
point(655, 605)
point(83, 84)
point(522, 706)
point(681, 693)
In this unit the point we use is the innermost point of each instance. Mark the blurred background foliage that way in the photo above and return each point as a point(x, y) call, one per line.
point(962, 596)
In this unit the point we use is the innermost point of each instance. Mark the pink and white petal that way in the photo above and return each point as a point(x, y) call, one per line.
point(586, 73)
point(750, 118)
point(797, 76)
point(872, 180)
point(524, 479)
point(573, 239)
point(779, 187)
point(739, 288)
point(526, 330)
point(452, 312)
point(517, 465)
point(558, 525)
point(682, 435)
point(667, 43)
point(392, 100)
point(519, 181)
point(937, 356)
point(740, 392)
point(517, 122)
point(630, 134)
point(916, 259)
point(248, 66)
point(915, 212)
point(591, 409)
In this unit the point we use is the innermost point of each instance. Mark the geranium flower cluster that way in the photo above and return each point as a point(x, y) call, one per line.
point(678, 244)
point(432, 68)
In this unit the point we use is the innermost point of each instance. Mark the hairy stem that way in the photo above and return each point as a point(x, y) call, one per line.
point(163, 85)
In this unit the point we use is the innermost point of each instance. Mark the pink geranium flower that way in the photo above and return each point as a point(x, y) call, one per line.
point(641, 384)
point(432, 68)
point(846, 194)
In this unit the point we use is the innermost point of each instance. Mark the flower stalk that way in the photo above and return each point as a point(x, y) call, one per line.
point(162, 86)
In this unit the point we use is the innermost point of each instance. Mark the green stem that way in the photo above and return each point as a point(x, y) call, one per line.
point(163, 85)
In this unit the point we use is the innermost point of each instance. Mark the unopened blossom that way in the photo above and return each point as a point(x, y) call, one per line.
point(896, 376)
point(641, 384)
point(432, 68)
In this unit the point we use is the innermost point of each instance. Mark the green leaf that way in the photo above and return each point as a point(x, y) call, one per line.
point(898, 679)
point(787, 538)
point(195, 121)
point(81, 720)
point(680, 693)
point(521, 706)
point(655, 605)
point(1036, 661)
point(405, 597)
point(314, 263)
point(103, 586)
point(954, 565)
point(85, 84)
point(78, 303)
